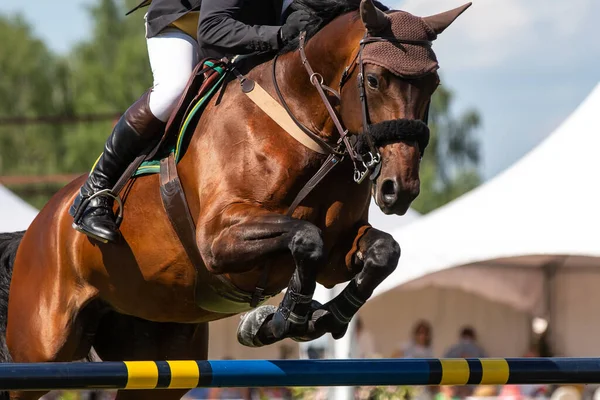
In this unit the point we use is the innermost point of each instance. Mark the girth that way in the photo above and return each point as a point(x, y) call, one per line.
point(217, 294)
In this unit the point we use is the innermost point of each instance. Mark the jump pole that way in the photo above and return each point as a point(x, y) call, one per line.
point(296, 373)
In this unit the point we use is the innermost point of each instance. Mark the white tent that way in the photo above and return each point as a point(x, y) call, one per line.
point(527, 240)
point(15, 214)
point(390, 223)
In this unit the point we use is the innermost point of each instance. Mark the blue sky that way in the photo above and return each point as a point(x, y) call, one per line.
point(525, 65)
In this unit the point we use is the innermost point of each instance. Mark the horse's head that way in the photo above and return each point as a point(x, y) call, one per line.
point(396, 69)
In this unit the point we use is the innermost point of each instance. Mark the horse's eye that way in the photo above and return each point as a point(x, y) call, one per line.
point(372, 81)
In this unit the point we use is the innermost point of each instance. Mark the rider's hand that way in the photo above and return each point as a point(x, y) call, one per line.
point(294, 24)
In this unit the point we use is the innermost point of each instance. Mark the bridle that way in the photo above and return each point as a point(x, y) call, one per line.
point(366, 164)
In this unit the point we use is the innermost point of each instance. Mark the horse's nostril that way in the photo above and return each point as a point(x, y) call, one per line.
point(388, 191)
point(388, 187)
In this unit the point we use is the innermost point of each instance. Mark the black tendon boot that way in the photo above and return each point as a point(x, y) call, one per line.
point(134, 132)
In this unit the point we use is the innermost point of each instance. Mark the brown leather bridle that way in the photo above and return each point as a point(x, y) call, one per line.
point(367, 164)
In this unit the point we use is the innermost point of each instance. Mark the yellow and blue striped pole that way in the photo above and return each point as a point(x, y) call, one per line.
point(295, 373)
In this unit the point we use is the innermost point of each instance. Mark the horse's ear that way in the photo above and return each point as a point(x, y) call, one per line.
point(374, 19)
point(440, 22)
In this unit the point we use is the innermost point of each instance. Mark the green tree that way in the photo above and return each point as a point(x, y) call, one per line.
point(30, 86)
point(108, 73)
point(104, 74)
point(27, 88)
point(449, 167)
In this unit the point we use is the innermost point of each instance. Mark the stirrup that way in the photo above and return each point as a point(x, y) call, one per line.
point(86, 202)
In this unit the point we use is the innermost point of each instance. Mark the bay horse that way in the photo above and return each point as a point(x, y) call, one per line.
point(136, 300)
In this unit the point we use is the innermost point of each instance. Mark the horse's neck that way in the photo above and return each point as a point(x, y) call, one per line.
point(328, 52)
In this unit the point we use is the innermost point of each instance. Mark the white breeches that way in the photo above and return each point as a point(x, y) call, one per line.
point(173, 56)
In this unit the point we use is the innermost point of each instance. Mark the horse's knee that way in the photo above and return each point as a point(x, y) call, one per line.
point(307, 243)
point(383, 254)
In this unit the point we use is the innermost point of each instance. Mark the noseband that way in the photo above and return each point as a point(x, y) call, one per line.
point(365, 164)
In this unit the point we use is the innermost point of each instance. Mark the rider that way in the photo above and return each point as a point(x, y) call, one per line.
point(179, 33)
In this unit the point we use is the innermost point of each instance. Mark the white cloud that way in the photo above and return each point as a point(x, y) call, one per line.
point(493, 33)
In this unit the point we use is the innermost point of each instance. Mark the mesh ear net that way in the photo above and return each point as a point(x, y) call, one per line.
point(404, 59)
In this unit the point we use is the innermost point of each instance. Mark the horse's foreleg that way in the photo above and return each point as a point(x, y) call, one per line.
point(256, 235)
point(376, 257)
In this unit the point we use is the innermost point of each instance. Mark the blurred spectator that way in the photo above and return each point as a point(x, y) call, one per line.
point(272, 394)
point(447, 393)
point(485, 391)
point(364, 345)
point(315, 353)
point(419, 347)
point(285, 352)
point(229, 394)
point(197, 394)
point(467, 346)
point(567, 392)
point(420, 344)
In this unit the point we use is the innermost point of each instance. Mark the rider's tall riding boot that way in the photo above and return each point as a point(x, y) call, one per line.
point(134, 132)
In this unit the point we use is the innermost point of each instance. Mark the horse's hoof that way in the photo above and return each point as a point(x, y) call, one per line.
point(250, 324)
point(339, 332)
point(335, 326)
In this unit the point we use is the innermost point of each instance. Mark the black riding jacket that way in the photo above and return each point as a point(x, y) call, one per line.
point(225, 27)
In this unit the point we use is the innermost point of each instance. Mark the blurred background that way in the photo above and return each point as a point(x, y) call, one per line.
point(500, 250)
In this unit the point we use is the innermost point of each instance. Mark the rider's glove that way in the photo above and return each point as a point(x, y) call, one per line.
point(294, 24)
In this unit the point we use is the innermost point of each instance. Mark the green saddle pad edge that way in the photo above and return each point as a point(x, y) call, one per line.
point(153, 166)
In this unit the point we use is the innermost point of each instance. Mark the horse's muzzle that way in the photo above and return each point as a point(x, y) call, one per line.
point(392, 198)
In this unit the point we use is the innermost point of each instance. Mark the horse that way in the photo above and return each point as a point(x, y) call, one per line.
point(64, 294)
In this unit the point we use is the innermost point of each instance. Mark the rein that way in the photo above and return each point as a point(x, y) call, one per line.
point(371, 161)
point(343, 146)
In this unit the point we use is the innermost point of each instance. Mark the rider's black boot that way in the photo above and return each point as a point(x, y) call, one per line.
point(133, 133)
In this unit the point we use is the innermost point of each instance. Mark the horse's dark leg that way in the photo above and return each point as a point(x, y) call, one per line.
point(376, 258)
point(255, 237)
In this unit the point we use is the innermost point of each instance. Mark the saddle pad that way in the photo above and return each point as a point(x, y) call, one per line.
point(152, 166)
